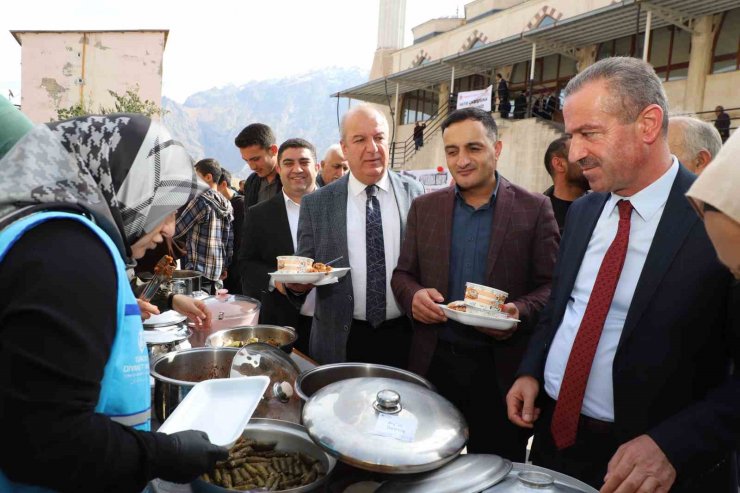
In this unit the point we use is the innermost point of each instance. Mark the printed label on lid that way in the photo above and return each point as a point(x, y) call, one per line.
point(400, 427)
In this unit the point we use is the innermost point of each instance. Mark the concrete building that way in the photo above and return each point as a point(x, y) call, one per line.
point(63, 68)
point(538, 45)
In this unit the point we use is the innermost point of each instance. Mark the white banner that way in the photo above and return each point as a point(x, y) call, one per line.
point(476, 99)
point(432, 179)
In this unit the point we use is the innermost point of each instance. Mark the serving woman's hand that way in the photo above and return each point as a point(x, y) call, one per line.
point(147, 309)
point(194, 309)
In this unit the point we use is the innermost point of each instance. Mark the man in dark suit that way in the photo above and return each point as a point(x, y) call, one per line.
point(625, 379)
point(488, 231)
point(271, 229)
point(361, 218)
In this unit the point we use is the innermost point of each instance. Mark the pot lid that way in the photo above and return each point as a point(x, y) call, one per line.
point(525, 478)
point(466, 474)
point(385, 425)
point(231, 306)
point(280, 401)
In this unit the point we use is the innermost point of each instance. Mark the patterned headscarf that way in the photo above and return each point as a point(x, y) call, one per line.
point(123, 169)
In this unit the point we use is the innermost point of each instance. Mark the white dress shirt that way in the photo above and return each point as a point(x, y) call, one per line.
point(356, 200)
point(293, 209)
point(648, 204)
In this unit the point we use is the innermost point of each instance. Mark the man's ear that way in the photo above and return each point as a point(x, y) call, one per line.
point(650, 122)
point(558, 164)
point(273, 149)
point(702, 160)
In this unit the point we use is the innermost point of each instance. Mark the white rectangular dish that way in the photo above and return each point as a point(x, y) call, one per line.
point(219, 407)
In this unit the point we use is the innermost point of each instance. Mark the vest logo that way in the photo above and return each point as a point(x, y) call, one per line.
point(142, 343)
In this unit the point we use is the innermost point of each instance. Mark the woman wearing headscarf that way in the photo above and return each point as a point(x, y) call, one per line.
point(79, 201)
point(716, 196)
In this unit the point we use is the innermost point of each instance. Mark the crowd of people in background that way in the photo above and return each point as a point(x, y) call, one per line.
point(628, 319)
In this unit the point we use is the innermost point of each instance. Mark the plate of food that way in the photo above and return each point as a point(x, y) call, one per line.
point(457, 311)
point(315, 273)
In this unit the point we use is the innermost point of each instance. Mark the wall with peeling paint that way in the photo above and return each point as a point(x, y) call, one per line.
point(61, 69)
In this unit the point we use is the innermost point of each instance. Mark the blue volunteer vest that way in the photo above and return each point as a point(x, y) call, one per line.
point(125, 393)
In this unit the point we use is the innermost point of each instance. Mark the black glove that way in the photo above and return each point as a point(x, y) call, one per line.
point(192, 454)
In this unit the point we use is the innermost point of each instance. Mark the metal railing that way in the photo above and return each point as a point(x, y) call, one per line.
point(712, 119)
point(403, 151)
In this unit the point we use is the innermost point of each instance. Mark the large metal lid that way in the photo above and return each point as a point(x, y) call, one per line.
point(280, 400)
point(467, 474)
point(385, 425)
point(525, 478)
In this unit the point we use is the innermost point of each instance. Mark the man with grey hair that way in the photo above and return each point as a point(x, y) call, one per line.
point(694, 142)
point(359, 219)
point(625, 378)
point(333, 166)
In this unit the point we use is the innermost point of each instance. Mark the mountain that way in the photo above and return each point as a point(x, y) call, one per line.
point(301, 106)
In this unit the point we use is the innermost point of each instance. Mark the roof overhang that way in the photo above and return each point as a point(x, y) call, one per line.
point(564, 36)
point(16, 33)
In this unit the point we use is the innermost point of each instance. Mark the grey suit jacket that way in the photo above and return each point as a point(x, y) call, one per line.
point(322, 235)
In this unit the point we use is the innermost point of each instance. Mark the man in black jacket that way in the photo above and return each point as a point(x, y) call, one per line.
point(270, 230)
point(256, 143)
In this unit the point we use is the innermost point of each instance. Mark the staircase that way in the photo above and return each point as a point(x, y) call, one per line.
point(404, 153)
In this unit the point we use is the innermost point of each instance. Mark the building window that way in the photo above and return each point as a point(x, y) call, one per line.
point(470, 83)
point(668, 52)
point(419, 106)
point(726, 53)
point(550, 73)
point(547, 20)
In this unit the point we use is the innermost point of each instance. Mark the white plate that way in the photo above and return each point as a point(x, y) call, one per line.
point(164, 319)
point(220, 407)
point(160, 337)
point(316, 278)
point(497, 322)
point(334, 276)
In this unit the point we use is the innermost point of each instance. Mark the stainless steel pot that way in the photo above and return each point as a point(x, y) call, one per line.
point(178, 372)
point(289, 437)
point(525, 478)
point(312, 381)
point(238, 336)
point(185, 281)
point(163, 342)
point(476, 473)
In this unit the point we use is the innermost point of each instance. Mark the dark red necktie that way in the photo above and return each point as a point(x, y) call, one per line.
point(564, 424)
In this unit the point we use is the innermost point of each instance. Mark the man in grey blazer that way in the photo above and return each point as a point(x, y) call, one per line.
point(361, 217)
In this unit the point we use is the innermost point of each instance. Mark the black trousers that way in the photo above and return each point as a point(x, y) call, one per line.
point(304, 333)
point(595, 445)
point(466, 376)
point(387, 344)
point(586, 459)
